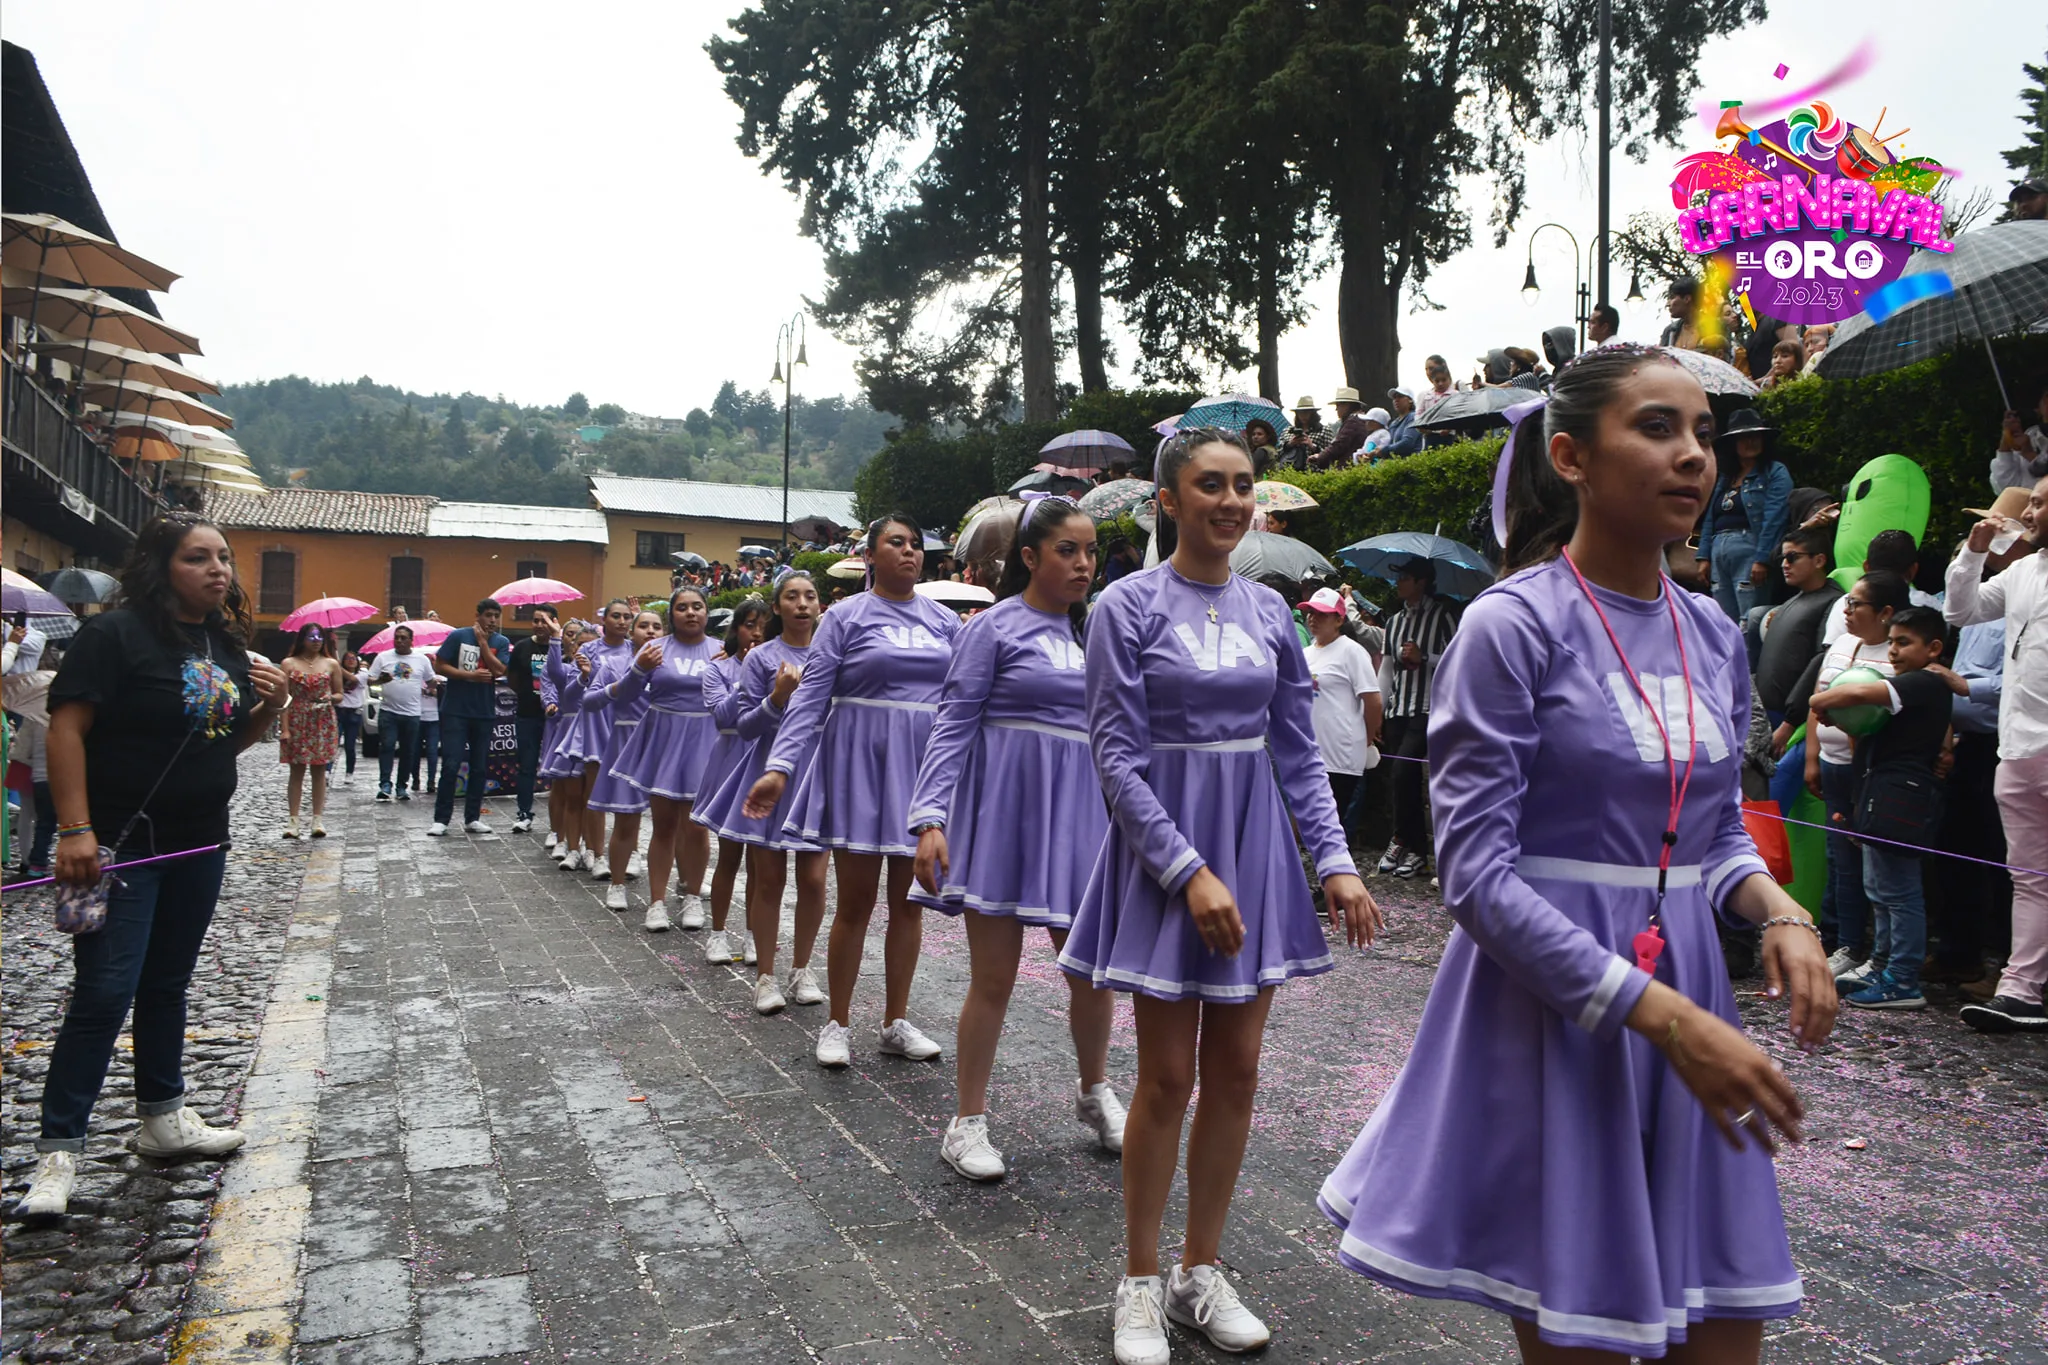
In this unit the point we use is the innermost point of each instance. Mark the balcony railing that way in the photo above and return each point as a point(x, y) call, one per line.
point(42, 432)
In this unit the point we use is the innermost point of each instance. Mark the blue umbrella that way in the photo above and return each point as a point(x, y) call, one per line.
point(1232, 410)
point(1461, 571)
point(1087, 449)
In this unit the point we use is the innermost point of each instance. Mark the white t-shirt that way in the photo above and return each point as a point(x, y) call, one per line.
point(1340, 672)
point(1845, 653)
point(401, 695)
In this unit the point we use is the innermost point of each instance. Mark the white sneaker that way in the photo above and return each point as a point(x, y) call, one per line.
point(49, 1194)
point(690, 911)
point(291, 827)
point(319, 829)
point(183, 1133)
point(1856, 978)
point(348, 779)
point(1202, 1299)
point(833, 1049)
point(636, 864)
point(1841, 961)
point(716, 950)
point(521, 826)
point(615, 897)
point(657, 918)
point(803, 987)
point(434, 831)
point(966, 1149)
point(1141, 1322)
point(476, 827)
point(572, 860)
point(1099, 1108)
point(903, 1039)
point(549, 844)
point(767, 996)
point(600, 871)
point(747, 949)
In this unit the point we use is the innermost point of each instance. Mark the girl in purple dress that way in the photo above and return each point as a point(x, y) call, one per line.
point(586, 733)
point(721, 696)
point(1199, 711)
point(848, 750)
point(767, 680)
point(604, 695)
point(554, 676)
point(1009, 816)
point(1581, 1137)
point(663, 757)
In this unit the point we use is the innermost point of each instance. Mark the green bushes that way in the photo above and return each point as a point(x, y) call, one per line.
point(1435, 488)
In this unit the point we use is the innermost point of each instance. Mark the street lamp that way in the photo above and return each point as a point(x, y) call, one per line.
point(1531, 291)
point(1635, 287)
point(789, 336)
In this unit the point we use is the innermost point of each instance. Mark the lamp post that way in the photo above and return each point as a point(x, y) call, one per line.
point(1580, 292)
point(789, 353)
point(1606, 96)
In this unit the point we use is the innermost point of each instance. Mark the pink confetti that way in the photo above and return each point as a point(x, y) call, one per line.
point(1782, 69)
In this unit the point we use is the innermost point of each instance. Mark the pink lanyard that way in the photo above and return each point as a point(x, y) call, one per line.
point(1650, 943)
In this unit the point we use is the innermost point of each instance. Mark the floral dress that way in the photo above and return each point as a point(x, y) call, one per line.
point(308, 732)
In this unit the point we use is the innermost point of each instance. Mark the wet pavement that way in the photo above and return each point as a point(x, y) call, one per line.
point(499, 1122)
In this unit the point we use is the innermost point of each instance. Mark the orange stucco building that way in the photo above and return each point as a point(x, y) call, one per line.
point(295, 544)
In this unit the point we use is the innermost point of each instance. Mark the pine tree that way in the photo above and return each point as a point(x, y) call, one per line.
point(2030, 158)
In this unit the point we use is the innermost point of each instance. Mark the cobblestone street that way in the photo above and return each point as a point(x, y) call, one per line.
point(493, 1121)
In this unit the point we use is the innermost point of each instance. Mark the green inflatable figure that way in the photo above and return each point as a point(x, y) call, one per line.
point(1888, 494)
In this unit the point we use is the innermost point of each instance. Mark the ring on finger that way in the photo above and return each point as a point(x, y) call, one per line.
point(1742, 1119)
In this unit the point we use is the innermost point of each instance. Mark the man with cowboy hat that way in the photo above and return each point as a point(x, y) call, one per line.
point(1351, 431)
point(1745, 518)
point(1304, 435)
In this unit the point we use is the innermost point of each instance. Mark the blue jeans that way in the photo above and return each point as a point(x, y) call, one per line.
point(351, 719)
point(1734, 553)
point(398, 742)
point(429, 755)
point(1843, 901)
point(46, 828)
point(528, 729)
point(1891, 877)
point(466, 737)
point(156, 922)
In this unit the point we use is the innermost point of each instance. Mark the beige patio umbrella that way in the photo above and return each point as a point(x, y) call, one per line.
point(152, 400)
point(135, 435)
point(97, 316)
point(47, 245)
point(125, 364)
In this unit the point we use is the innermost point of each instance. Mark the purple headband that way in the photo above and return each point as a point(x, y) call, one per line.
point(1514, 415)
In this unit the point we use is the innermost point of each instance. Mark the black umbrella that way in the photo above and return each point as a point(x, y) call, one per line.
point(1046, 481)
point(820, 529)
point(75, 586)
point(689, 559)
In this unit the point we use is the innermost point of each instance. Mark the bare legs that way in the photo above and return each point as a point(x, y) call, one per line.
point(1712, 1341)
point(1179, 1040)
point(767, 872)
point(558, 822)
point(586, 826)
point(860, 876)
point(319, 791)
point(691, 849)
point(295, 789)
point(625, 838)
point(994, 944)
point(730, 853)
point(661, 848)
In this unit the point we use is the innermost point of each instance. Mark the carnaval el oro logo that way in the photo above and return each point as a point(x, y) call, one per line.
point(1810, 217)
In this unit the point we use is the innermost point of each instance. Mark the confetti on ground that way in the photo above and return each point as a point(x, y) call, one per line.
point(636, 1099)
point(312, 997)
point(1856, 1144)
point(1780, 72)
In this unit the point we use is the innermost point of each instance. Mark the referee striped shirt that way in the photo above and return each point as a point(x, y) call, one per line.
point(1428, 626)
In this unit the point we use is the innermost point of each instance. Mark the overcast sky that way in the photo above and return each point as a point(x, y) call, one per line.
point(535, 199)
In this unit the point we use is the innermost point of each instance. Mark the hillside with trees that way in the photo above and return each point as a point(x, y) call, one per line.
point(378, 438)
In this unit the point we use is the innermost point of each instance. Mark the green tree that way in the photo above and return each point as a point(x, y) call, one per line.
point(2031, 156)
point(697, 422)
point(546, 449)
point(607, 414)
point(729, 404)
point(578, 406)
point(455, 434)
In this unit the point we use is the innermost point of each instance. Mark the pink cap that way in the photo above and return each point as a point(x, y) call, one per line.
point(1325, 600)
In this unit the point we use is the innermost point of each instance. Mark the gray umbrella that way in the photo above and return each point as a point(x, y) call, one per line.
point(1472, 404)
point(1998, 278)
point(75, 586)
point(1265, 554)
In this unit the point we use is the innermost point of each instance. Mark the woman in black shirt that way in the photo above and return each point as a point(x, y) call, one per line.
point(153, 704)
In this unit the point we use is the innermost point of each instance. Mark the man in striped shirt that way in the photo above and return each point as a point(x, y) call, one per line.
point(1416, 639)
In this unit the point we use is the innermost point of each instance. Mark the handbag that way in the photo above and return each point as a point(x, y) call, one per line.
point(1901, 802)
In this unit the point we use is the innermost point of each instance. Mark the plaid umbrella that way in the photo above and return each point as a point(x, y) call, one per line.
point(1232, 410)
point(1998, 279)
point(1111, 500)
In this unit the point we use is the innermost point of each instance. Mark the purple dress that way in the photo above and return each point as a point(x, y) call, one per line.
point(755, 720)
point(857, 723)
point(554, 676)
point(665, 753)
point(607, 696)
point(1008, 770)
point(587, 733)
point(722, 699)
point(1534, 1155)
point(1194, 713)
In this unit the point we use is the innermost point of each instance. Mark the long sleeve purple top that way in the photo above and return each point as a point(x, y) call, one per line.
point(1544, 763)
point(868, 649)
point(1162, 673)
point(755, 714)
point(1012, 664)
point(675, 684)
point(606, 692)
point(722, 694)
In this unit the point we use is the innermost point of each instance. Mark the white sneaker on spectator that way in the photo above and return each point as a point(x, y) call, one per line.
point(833, 1045)
point(615, 897)
point(767, 996)
point(690, 911)
point(903, 1039)
point(1099, 1108)
point(1391, 858)
point(1202, 1299)
point(803, 987)
point(716, 950)
point(657, 918)
point(1841, 961)
point(967, 1149)
point(476, 827)
point(1141, 1322)
point(747, 949)
point(49, 1194)
point(522, 824)
point(636, 864)
point(434, 831)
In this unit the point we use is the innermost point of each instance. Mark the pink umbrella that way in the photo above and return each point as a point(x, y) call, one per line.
point(327, 612)
point(425, 634)
point(529, 592)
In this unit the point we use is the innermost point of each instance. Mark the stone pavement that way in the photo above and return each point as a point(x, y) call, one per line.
point(513, 1126)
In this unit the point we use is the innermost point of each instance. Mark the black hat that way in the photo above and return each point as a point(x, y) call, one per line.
point(1745, 422)
point(2031, 185)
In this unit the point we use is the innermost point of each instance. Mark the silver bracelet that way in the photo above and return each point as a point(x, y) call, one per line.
point(1800, 920)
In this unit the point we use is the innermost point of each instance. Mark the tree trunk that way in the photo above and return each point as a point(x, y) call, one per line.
point(1368, 303)
point(1084, 265)
point(1269, 314)
point(1034, 310)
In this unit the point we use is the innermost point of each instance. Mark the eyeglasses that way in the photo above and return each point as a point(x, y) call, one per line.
point(1854, 603)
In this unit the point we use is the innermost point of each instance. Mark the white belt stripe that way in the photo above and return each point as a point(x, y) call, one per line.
point(885, 703)
point(1220, 746)
point(1057, 731)
point(1605, 874)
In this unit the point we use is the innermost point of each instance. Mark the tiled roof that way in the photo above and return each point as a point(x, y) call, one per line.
point(718, 501)
point(506, 521)
point(322, 509)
